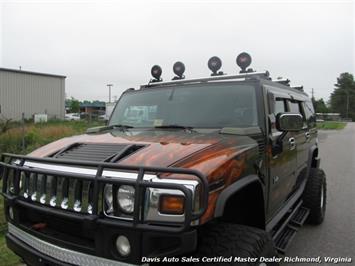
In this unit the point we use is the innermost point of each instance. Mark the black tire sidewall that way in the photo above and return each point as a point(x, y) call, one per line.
point(316, 187)
point(237, 241)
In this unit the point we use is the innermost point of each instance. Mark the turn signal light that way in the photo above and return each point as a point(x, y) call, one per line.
point(172, 204)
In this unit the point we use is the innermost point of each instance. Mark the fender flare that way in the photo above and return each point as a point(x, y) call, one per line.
point(310, 159)
point(231, 190)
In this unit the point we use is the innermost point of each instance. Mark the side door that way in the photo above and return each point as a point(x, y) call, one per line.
point(283, 164)
point(301, 137)
point(311, 122)
point(310, 132)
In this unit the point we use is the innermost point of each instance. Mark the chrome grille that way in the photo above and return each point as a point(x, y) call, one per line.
point(55, 191)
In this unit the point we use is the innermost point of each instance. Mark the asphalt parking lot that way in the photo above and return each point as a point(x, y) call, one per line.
point(336, 236)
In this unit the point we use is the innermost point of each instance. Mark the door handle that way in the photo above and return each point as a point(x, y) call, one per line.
point(307, 135)
point(292, 143)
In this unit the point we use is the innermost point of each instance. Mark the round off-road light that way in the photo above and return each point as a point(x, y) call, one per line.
point(156, 72)
point(214, 64)
point(125, 198)
point(11, 213)
point(243, 61)
point(179, 69)
point(123, 246)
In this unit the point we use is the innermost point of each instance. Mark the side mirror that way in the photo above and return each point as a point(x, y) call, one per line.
point(289, 122)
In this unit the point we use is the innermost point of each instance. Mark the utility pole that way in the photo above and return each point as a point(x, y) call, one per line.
point(109, 92)
point(312, 93)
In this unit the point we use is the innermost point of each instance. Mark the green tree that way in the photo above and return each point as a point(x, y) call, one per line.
point(342, 100)
point(74, 105)
point(320, 106)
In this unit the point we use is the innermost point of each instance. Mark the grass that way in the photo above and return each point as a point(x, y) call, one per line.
point(35, 136)
point(331, 125)
point(7, 257)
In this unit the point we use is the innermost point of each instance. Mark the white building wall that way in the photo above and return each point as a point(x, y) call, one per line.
point(28, 93)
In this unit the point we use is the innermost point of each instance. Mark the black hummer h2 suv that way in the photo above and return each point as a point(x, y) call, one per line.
point(226, 165)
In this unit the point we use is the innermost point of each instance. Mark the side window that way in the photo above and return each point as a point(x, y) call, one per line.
point(309, 114)
point(279, 106)
point(294, 107)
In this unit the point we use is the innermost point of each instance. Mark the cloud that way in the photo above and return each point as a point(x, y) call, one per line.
point(98, 43)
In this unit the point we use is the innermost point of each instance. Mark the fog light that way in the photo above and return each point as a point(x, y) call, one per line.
point(11, 213)
point(123, 246)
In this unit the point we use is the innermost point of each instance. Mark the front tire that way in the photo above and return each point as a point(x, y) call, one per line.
point(223, 239)
point(315, 196)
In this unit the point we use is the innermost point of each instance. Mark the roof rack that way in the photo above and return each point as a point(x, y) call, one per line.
point(298, 87)
point(282, 81)
point(262, 75)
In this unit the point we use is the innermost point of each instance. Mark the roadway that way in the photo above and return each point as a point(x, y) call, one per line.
point(336, 236)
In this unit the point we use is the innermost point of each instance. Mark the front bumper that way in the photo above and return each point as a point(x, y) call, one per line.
point(35, 251)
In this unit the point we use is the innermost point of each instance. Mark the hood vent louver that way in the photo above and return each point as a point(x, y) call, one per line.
point(97, 152)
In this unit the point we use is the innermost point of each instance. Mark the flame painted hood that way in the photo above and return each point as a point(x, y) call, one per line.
point(201, 151)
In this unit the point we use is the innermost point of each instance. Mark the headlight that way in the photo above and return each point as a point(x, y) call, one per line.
point(108, 199)
point(125, 198)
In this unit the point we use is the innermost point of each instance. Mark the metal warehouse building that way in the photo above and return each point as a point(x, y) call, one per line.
point(31, 93)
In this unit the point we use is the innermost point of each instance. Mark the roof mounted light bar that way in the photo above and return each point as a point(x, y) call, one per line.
point(262, 75)
point(214, 64)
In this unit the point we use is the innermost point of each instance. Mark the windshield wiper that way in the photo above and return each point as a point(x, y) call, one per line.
point(177, 127)
point(121, 126)
point(104, 128)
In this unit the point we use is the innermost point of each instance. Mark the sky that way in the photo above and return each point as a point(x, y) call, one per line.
point(95, 43)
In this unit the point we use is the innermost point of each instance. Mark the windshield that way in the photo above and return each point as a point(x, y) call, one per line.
point(198, 106)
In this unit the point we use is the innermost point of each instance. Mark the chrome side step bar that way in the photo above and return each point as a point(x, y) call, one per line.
point(290, 226)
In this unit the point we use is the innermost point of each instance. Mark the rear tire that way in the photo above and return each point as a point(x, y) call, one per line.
point(315, 196)
point(223, 239)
